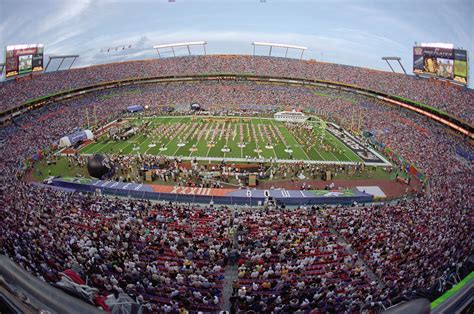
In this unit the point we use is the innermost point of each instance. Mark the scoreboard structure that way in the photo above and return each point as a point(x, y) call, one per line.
point(444, 62)
point(23, 59)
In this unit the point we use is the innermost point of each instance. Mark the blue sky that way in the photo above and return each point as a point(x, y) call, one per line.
point(341, 31)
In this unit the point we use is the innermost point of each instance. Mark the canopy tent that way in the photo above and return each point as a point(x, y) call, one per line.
point(74, 138)
point(135, 108)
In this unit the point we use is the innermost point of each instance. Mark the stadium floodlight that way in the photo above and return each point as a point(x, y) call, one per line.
point(398, 59)
point(186, 44)
point(271, 45)
point(62, 57)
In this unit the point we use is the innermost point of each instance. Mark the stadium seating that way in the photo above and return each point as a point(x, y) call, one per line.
point(447, 97)
point(173, 256)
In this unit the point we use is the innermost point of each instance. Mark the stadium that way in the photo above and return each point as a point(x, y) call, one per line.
point(236, 183)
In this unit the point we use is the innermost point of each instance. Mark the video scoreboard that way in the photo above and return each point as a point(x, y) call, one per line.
point(443, 62)
point(23, 59)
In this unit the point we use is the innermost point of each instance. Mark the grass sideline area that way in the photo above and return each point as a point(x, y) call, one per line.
point(62, 168)
point(222, 137)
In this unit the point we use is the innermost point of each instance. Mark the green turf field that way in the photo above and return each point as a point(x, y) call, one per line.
point(229, 138)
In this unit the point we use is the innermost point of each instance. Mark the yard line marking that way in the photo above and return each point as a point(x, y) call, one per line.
point(141, 143)
point(193, 126)
point(274, 144)
point(155, 125)
point(337, 159)
point(173, 136)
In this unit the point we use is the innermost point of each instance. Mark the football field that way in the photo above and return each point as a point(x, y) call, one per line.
point(229, 138)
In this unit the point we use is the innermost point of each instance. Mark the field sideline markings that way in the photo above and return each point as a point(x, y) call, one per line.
point(298, 145)
point(102, 146)
point(113, 143)
point(339, 143)
point(88, 147)
point(330, 152)
point(345, 147)
point(256, 134)
point(141, 143)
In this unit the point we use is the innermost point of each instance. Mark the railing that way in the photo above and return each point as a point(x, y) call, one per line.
point(46, 294)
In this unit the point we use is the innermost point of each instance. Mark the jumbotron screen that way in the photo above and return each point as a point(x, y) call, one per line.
point(23, 59)
point(445, 63)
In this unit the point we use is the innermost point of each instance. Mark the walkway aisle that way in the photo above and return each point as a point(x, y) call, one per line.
point(231, 274)
point(232, 268)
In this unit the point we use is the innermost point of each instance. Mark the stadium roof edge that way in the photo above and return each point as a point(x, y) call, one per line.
point(279, 45)
point(191, 43)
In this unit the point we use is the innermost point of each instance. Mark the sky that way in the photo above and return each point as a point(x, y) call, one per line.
point(353, 32)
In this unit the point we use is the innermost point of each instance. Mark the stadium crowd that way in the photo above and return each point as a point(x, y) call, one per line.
point(168, 256)
point(292, 262)
point(429, 233)
point(173, 256)
point(447, 97)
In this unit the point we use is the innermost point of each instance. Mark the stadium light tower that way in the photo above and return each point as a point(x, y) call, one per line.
point(62, 57)
point(398, 59)
point(186, 44)
point(271, 45)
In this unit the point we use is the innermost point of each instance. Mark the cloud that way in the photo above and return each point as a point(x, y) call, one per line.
point(343, 32)
point(343, 45)
point(66, 16)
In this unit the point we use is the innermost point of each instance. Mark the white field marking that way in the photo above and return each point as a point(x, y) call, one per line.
point(274, 151)
point(333, 146)
point(256, 135)
point(142, 143)
point(130, 141)
point(297, 145)
point(158, 139)
point(171, 138)
point(226, 136)
point(193, 127)
point(210, 131)
point(112, 142)
point(207, 125)
point(241, 148)
point(186, 127)
point(385, 163)
point(317, 152)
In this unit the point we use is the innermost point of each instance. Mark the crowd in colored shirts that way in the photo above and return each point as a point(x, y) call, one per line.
point(174, 256)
